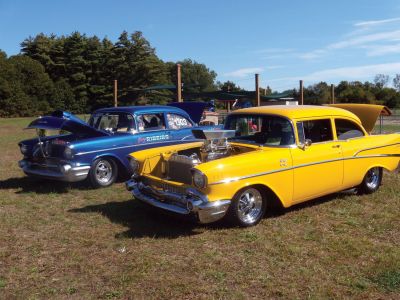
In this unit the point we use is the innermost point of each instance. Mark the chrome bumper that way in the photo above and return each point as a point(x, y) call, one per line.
point(193, 202)
point(57, 170)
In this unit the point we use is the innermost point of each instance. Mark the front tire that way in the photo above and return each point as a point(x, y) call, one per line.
point(371, 182)
point(248, 207)
point(103, 172)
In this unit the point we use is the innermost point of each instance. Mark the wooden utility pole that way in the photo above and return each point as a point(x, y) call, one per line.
point(115, 93)
point(257, 90)
point(301, 93)
point(333, 94)
point(178, 83)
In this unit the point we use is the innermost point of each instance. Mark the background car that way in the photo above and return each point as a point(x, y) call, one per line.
point(271, 155)
point(98, 149)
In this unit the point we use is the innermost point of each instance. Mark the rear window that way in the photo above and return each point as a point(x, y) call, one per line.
point(346, 129)
point(148, 122)
point(317, 130)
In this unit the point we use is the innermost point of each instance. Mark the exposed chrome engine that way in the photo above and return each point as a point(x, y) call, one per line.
point(216, 143)
point(215, 146)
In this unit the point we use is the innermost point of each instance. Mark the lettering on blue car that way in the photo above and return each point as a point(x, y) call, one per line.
point(154, 138)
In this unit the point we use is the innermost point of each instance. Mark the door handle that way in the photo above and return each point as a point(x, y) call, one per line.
point(336, 146)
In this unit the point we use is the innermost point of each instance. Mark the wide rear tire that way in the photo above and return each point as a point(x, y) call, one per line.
point(371, 182)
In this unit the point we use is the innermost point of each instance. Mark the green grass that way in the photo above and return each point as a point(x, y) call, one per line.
point(64, 241)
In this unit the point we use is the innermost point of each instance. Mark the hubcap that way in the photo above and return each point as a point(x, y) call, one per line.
point(250, 206)
point(372, 178)
point(103, 171)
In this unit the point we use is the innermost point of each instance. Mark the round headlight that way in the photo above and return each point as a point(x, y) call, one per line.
point(199, 179)
point(134, 165)
point(68, 154)
point(24, 149)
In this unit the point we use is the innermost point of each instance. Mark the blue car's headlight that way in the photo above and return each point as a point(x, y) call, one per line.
point(24, 149)
point(68, 153)
point(134, 165)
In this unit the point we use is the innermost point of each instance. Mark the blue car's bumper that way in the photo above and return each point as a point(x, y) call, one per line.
point(55, 169)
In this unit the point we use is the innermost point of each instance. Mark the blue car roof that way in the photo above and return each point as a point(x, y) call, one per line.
point(141, 109)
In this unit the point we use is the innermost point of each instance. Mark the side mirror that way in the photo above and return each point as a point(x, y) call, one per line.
point(307, 143)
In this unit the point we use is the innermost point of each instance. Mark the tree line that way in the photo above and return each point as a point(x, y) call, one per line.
point(76, 73)
point(376, 92)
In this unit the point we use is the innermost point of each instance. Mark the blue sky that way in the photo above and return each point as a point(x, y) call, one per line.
point(283, 41)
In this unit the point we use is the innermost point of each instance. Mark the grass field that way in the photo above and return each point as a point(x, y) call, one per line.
point(71, 242)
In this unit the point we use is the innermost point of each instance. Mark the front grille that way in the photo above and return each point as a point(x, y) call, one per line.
point(164, 186)
point(179, 167)
point(57, 150)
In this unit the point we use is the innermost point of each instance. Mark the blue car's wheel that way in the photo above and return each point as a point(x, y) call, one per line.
point(103, 172)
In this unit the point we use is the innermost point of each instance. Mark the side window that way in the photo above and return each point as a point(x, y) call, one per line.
point(300, 132)
point(318, 130)
point(148, 122)
point(125, 123)
point(108, 122)
point(177, 121)
point(346, 129)
point(113, 122)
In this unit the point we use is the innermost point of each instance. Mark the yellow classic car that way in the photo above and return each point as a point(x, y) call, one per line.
point(264, 156)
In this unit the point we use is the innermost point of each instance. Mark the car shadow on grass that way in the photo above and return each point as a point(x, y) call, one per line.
point(39, 186)
point(144, 221)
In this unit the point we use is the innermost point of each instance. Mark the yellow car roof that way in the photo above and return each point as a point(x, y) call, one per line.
point(298, 111)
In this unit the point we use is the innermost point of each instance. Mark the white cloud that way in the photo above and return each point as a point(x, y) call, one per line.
point(354, 73)
point(313, 54)
point(365, 39)
point(375, 22)
point(360, 41)
point(346, 73)
point(244, 72)
point(382, 49)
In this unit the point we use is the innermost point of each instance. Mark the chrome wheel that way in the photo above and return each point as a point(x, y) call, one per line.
point(103, 172)
point(371, 182)
point(372, 178)
point(250, 206)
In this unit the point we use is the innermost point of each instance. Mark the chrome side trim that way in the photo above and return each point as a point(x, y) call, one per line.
point(102, 150)
point(186, 137)
point(122, 147)
point(228, 180)
point(377, 147)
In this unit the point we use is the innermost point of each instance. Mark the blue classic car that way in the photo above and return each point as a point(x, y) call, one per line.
point(98, 149)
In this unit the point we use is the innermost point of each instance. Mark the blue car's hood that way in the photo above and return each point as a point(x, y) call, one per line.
point(193, 109)
point(66, 121)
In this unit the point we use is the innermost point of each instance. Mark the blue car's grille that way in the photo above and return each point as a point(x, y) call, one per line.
point(56, 150)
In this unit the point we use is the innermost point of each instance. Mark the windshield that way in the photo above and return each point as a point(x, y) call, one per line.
point(261, 129)
point(113, 122)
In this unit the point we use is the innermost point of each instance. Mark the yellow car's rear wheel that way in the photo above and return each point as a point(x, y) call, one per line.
point(371, 182)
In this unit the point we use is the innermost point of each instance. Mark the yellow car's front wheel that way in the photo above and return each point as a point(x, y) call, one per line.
point(248, 207)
